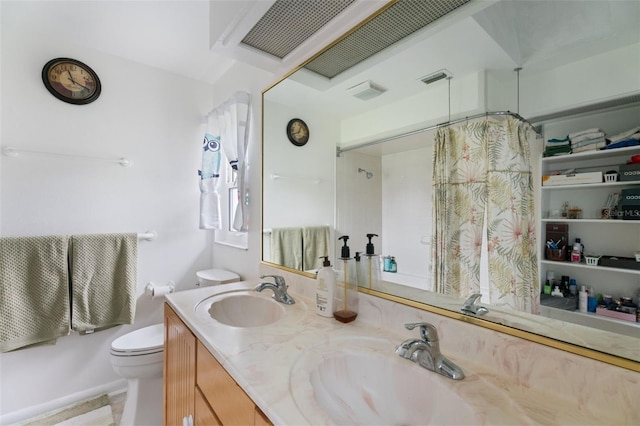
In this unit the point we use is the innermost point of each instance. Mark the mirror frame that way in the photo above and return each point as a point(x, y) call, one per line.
point(526, 335)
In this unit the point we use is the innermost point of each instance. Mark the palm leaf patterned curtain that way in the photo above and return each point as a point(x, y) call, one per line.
point(482, 170)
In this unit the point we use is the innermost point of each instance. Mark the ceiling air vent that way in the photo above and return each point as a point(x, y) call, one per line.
point(289, 23)
point(366, 90)
point(393, 24)
point(436, 76)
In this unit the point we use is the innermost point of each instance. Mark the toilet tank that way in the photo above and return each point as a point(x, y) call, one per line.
point(210, 277)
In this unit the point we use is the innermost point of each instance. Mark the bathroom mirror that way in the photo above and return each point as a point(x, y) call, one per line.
point(374, 115)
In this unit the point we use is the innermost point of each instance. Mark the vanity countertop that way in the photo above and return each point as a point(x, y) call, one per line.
point(260, 360)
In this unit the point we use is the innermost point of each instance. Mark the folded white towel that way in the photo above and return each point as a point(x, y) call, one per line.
point(629, 134)
point(587, 136)
point(590, 147)
point(586, 142)
point(584, 132)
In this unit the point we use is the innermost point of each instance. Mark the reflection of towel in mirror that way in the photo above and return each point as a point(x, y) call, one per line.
point(103, 280)
point(315, 243)
point(286, 247)
point(34, 291)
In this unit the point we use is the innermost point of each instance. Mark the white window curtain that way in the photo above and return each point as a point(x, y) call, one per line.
point(227, 128)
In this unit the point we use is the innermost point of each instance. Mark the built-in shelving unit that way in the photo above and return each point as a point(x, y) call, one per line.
point(606, 237)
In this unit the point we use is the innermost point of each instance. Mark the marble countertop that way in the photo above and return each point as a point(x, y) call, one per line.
point(260, 359)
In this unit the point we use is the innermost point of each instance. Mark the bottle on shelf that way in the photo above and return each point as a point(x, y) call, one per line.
point(575, 253)
point(583, 299)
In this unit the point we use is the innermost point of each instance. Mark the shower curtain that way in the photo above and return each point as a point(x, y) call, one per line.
point(482, 170)
point(227, 128)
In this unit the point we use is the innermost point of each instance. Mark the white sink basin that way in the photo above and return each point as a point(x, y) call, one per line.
point(242, 308)
point(364, 382)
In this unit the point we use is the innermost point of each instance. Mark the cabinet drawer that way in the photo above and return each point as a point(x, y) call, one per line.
point(229, 402)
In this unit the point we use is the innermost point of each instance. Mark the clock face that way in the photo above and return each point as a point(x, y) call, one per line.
point(298, 132)
point(71, 81)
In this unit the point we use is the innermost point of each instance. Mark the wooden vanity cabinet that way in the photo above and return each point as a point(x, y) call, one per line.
point(179, 370)
point(197, 388)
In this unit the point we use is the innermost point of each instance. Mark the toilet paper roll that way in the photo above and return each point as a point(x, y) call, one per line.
point(157, 291)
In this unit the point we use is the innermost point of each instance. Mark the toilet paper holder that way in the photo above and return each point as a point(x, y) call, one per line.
point(156, 291)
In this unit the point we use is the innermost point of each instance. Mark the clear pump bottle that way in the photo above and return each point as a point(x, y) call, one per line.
point(346, 295)
point(372, 265)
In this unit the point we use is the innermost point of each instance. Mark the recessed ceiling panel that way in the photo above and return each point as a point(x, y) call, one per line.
point(289, 23)
point(392, 25)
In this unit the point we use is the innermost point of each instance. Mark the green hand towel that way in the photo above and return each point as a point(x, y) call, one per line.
point(286, 247)
point(34, 291)
point(315, 244)
point(103, 280)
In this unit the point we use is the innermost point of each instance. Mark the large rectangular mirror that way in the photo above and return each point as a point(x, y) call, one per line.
point(367, 165)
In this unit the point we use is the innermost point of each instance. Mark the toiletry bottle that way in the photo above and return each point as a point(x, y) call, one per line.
point(579, 241)
point(575, 253)
point(372, 262)
point(325, 289)
point(346, 295)
point(386, 263)
point(393, 265)
point(583, 299)
point(361, 270)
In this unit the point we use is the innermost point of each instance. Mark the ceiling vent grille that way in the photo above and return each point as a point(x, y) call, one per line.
point(289, 23)
point(436, 76)
point(366, 90)
point(390, 26)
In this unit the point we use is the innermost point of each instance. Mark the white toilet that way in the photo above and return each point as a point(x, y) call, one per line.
point(215, 277)
point(137, 356)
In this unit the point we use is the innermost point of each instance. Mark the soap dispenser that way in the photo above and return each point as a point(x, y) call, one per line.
point(346, 295)
point(325, 289)
point(372, 265)
point(361, 271)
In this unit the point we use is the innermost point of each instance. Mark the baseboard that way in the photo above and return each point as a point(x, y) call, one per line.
point(37, 410)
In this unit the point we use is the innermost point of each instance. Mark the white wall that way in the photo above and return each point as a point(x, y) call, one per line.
point(307, 172)
point(358, 201)
point(406, 209)
point(147, 115)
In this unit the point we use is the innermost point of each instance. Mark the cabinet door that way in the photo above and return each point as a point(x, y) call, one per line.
point(261, 419)
point(229, 402)
point(204, 414)
point(179, 369)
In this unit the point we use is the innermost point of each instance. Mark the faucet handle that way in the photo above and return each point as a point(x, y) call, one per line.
point(428, 331)
point(471, 300)
point(279, 279)
point(469, 306)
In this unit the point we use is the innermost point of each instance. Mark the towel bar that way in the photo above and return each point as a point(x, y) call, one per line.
point(11, 151)
point(147, 236)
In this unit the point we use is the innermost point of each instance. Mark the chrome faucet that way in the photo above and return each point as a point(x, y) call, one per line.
point(426, 351)
point(469, 306)
point(279, 289)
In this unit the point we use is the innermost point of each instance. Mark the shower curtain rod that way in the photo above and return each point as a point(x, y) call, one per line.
point(435, 126)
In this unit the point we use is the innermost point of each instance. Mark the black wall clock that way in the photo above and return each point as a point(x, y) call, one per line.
point(298, 132)
point(71, 81)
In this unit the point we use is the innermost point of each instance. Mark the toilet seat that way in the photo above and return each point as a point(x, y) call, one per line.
point(146, 340)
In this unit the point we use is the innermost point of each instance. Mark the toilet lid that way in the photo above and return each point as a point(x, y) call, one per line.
point(219, 275)
point(143, 339)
